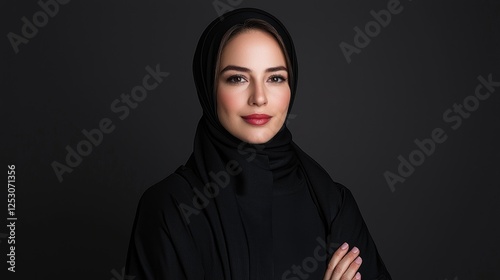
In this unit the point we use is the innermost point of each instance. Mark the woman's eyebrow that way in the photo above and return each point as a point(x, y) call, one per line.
point(244, 69)
point(277, 68)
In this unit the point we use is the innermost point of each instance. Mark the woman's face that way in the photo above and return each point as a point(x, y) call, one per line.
point(252, 89)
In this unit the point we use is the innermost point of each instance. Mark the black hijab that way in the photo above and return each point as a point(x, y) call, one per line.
point(212, 218)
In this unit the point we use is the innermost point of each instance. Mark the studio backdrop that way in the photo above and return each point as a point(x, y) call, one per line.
point(397, 100)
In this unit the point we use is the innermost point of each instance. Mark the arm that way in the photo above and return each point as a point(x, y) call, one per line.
point(349, 226)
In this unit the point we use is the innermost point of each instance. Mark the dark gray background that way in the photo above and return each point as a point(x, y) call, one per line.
point(354, 119)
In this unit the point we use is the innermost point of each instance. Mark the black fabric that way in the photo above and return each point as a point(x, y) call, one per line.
point(225, 213)
point(297, 227)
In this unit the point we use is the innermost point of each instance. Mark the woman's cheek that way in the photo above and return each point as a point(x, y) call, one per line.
point(229, 100)
point(282, 102)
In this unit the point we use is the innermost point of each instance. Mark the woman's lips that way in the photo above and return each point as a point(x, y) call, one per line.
point(257, 119)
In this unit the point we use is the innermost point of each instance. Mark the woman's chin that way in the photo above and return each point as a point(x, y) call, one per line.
point(253, 134)
point(256, 137)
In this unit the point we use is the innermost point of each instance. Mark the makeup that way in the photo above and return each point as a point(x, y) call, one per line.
point(257, 119)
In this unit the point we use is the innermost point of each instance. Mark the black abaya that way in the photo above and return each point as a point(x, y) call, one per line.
point(241, 211)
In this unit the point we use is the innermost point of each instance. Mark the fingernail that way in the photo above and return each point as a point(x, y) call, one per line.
point(357, 276)
point(355, 250)
point(358, 260)
point(344, 246)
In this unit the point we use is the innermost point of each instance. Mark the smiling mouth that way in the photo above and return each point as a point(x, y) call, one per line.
point(257, 119)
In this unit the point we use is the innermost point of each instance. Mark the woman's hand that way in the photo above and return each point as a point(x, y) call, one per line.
point(344, 265)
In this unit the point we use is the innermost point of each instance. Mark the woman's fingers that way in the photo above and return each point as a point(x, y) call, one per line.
point(337, 256)
point(352, 270)
point(344, 265)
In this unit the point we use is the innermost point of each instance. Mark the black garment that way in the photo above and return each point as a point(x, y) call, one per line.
point(297, 232)
point(231, 210)
point(165, 246)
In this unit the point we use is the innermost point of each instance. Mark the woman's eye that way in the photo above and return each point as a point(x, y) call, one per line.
point(277, 79)
point(235, 79)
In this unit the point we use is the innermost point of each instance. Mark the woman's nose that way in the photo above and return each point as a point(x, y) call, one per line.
point(258, 95)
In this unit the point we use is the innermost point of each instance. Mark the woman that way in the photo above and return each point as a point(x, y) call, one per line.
point(249, 204)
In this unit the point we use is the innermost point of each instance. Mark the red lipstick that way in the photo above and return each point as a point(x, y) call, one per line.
point(257, 119)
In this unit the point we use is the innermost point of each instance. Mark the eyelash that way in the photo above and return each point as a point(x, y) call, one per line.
point(232, 78)
point(283, 79)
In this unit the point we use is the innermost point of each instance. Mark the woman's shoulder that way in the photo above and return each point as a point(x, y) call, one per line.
point(317, 171)
point(330, 194)
point(172, 187)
